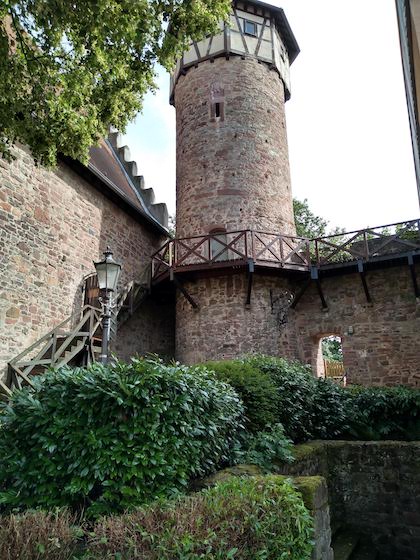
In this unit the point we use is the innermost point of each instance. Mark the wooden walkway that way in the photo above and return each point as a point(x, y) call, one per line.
point(267, 250)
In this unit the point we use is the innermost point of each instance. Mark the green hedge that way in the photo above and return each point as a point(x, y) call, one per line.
point(240, 519)
point(315, 408)
point(106, 439)
point(377, 413)
point(255, 388)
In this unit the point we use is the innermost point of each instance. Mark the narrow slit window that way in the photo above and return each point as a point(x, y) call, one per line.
point(217, 112)
point(250, 28)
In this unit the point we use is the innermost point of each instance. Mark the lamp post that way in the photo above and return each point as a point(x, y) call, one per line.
point(108, 272)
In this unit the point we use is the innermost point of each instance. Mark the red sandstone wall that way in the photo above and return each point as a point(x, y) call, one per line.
point(52, 226)
point(223, 327)
point(150, 330)
point(384, 348)
point(233, 173)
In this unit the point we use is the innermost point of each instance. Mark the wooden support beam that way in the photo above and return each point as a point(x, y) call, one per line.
point(315, 278)
point(299, 293)
point(183, 291)
point(5, 389)
point(250, 280)
point(413, 275)
point(362, 274)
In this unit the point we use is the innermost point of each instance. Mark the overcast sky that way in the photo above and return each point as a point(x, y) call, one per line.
point(349, 140)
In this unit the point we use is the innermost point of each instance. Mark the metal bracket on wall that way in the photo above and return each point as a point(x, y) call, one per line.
point(413, 274)
point(315, 278)
point(362, 274)
point(250, 280)
point(300, 292)
point(183, 290)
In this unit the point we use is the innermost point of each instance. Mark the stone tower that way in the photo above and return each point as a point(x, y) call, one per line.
point(233, 175)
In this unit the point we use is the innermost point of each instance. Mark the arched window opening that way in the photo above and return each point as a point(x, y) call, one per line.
point(217, 102)
point(218, 242)
point(330, 358)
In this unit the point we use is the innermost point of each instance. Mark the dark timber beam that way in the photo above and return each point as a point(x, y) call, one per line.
point(413, 275)
point(250, 280)
point(183, 291)
point(299, 293)
point(363, 279)
point(315, 278)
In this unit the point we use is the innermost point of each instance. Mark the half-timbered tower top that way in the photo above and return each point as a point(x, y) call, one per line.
point(255, 29)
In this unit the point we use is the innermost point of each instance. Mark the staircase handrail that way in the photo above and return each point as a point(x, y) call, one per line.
point(51, 333)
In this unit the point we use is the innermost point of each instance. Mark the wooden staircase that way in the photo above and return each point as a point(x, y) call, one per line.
point(76, 341)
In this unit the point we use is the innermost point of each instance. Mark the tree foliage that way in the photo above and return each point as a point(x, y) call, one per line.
point(69, 70)
point(307, 223)
point(332, 348)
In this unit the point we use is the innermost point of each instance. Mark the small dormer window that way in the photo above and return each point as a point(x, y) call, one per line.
point(250, 28)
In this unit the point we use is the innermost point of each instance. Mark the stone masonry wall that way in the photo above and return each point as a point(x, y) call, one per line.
point(223, 327)
point(232, 173)
point(374, 487)
point(383, 348)
point(53, 224)
point(381, 343)
point(150, 330)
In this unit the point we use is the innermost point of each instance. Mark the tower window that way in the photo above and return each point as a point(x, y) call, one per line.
point(217, 109)
point(250, 28)
point(217, 102)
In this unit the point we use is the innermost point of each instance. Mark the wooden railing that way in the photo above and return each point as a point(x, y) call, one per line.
point(367, 244)
point(57, 348)
point(233, 247)
point(76, 340)
point(284, 251)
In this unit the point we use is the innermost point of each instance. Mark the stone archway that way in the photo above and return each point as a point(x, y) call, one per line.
point(328, 356)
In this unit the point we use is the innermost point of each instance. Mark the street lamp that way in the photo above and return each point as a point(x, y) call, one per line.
point(108, 272)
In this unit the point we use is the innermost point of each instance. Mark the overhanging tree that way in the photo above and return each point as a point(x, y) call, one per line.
point(70, 69)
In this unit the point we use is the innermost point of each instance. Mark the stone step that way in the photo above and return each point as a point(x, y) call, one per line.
point(344, 544)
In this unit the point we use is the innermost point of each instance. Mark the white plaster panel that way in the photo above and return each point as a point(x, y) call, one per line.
point(267, 32)
point(218, 44)
point(190, 56)
point(203, 46)
point(233, 23)
point(251, 43)
point(265, 51)
point(236, 43)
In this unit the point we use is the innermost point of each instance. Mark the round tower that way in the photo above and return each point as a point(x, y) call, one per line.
point(229, 91)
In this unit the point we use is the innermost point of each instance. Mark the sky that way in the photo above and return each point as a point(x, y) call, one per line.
point(349, 140)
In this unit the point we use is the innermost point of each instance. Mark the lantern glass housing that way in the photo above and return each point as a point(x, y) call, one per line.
point(108, 272)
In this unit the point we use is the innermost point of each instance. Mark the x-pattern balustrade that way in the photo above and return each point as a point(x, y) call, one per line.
point(275, 250)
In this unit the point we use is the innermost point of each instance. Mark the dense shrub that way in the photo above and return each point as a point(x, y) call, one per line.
point(255, 388)
point(265, 448)
point(38, 536)
point(105, 439)
point(315, 408)
point(241, 519)
point(384, 413)
point(307, 407)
